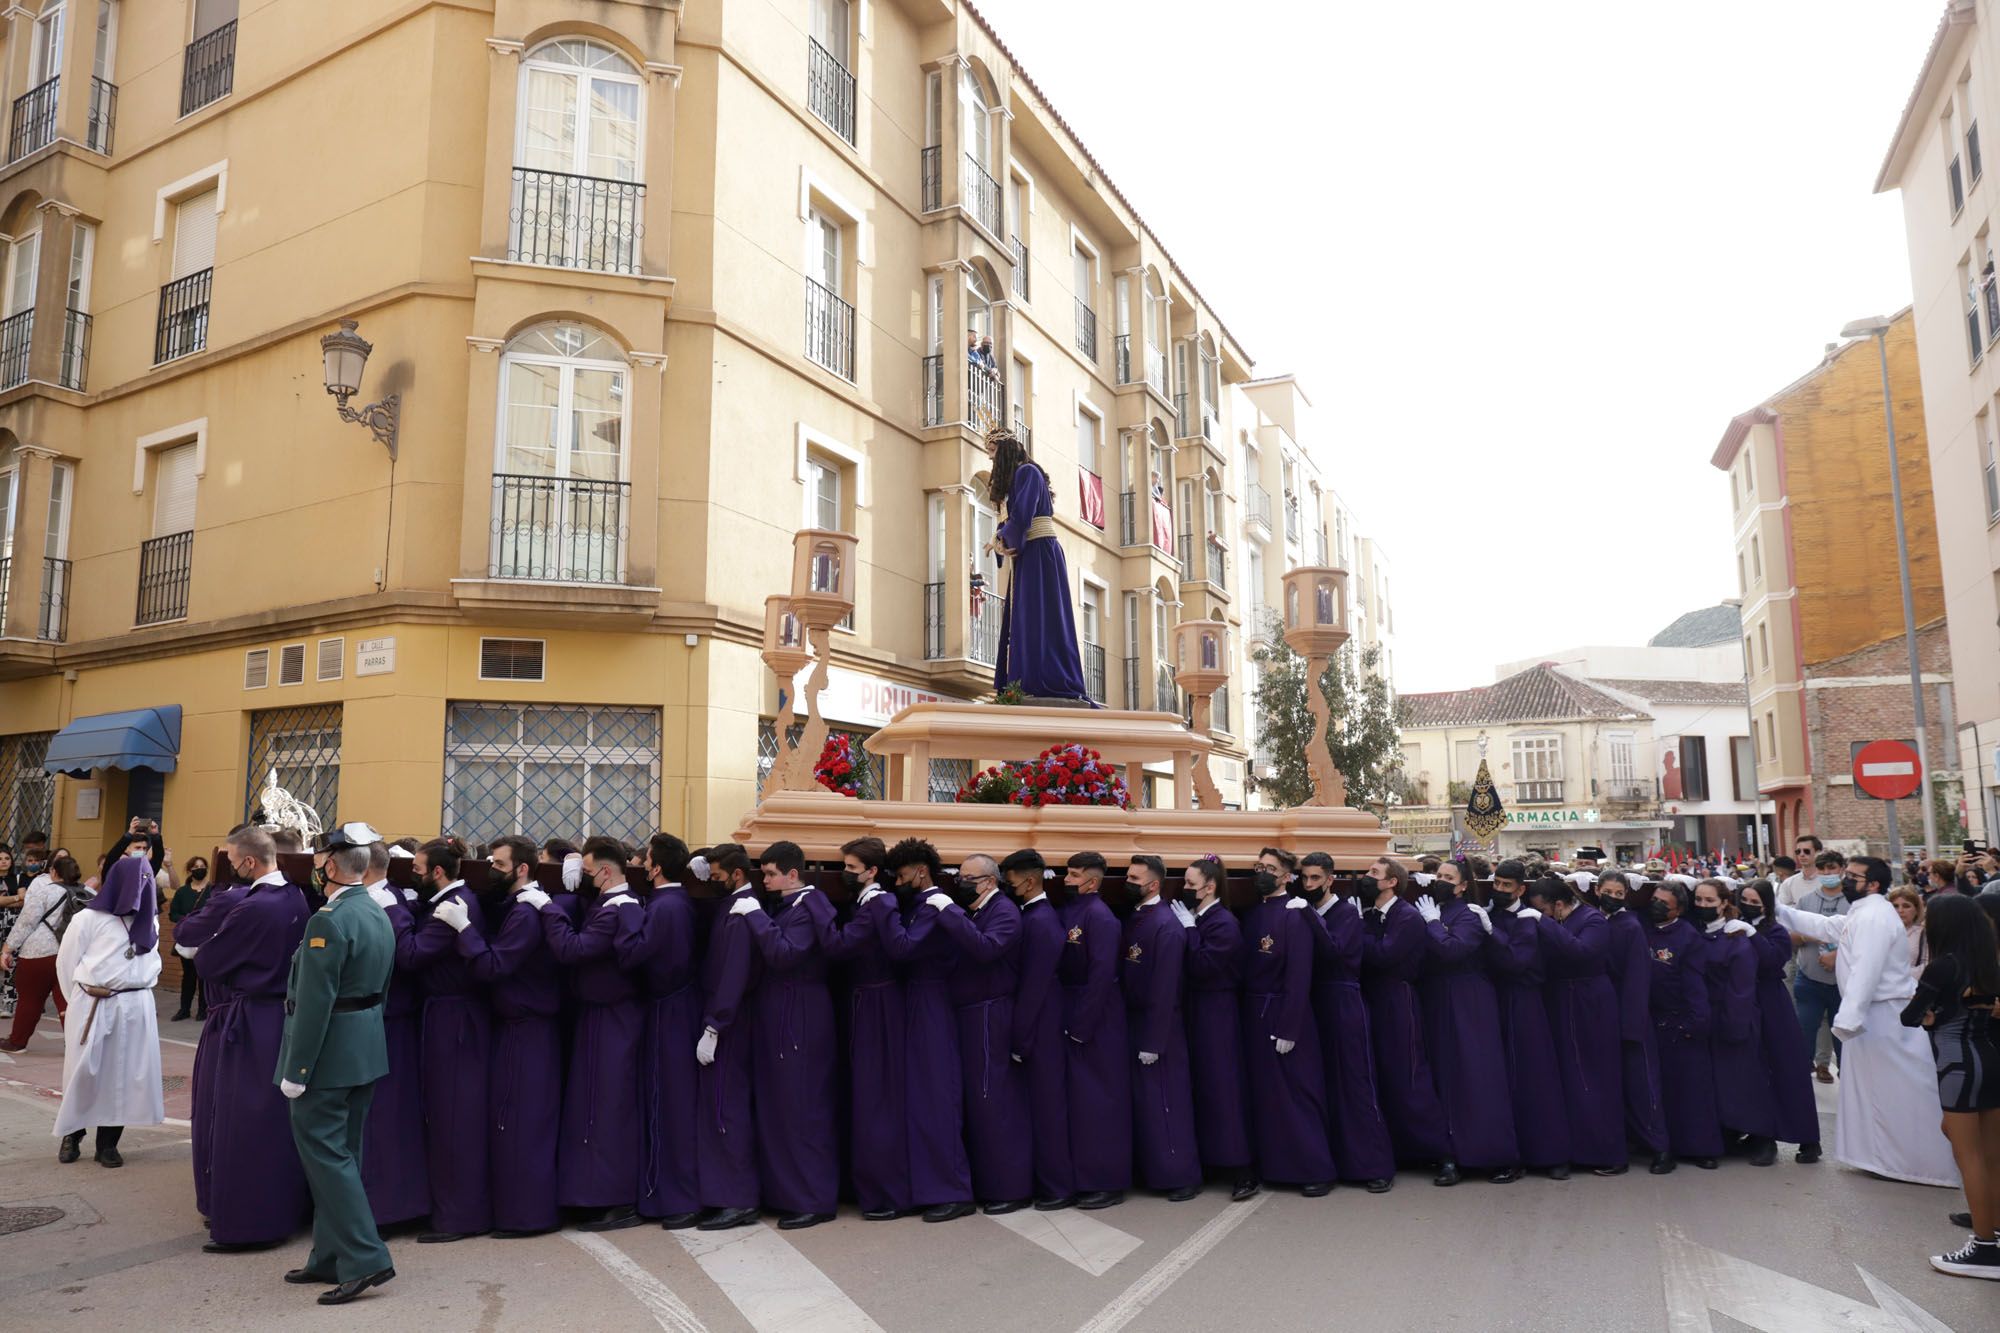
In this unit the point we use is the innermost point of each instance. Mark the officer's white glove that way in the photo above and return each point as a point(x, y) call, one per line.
point(939, 900)
point(1295, 902)
point(1149, 1057)
point(704, 1050)
point(572, 871)
point(1737, 928)
point(291, 1089)
point(1485, 921)
point(872, 891)
point(186, 950)
point(1529, 914)
point(453, 913)
point(1428, 906)
point(743, 907)
point(1182, 915)
point(1284, 1045)
point(533, 897)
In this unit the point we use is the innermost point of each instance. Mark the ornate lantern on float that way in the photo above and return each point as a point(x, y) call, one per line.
point(786, 653)
point(823, 576)
point(1316, 629)
point(1201, 667)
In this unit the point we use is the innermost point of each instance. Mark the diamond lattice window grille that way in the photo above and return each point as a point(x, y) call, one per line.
point(872, 786)
point(302, 745)
point(551, 771)
point(27, 794)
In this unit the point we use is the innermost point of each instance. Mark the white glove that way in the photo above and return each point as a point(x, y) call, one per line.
point(704, 1050)
point(1015, 1057)
point(453, 913)
point(291, 1090)
point(1484, 920)
point(1429, 908)
point(1529, 914)
point(938, 899)
point(872, 891)
point(532, 896)
point(1845, 1034)
point(743, 907)
point(572, 871)
point(186, 950)
point(1149, 1057)
point(1737, 928)
point(1181, 913)
point(1296, 903)
point(1284, 1045)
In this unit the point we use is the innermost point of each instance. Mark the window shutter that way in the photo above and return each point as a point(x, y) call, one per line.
point(212, 14)
point(292, 664)
point(511, 659)
point(173, 491)
point(256, 668)
point(332, 658)
point(194, 234)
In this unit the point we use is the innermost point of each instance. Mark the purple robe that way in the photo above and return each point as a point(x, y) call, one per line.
point(669, 1177)
point(1360, 1136)
point(1038, 1044)
point(1583, 1018)
point(726, 1132)
point(1462, 1037)
point(876, 1060)
point(256, 1192)
point(933, 1126)
point(1743, 1098)
point(1155, 949)
point(792, 1064)
point(982, 985)
point(597, 1164)
point(1037, 626)
point(203, 923)
point(1392, 957)
point(1786, 1058)
point(1215, 1040)
point(524, 1089)
point(1287, 1092)
point(1639, 1055)
point(1098, 1069)
point(457, 1064)
point(1513, 956)
point(1679, 996)
point(392, 1144)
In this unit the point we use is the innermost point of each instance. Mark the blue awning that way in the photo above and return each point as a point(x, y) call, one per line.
point(142, 738)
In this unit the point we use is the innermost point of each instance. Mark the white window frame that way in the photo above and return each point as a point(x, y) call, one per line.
point(510, 357)
point(1084, 408)
point(46, 63)
point(188, 432)
point(815, 192)
point(32, 235)
point(214, 176)
point(1090, 586)
point(580, 148)
point(806, 442)
point(1537, 758)
point(78, 285)
point(62, 508)
point(1620, 746)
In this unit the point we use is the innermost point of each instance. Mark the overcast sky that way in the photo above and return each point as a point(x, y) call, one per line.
point(1527, 259)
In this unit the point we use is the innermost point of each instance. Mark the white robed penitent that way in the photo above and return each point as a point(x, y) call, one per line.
point(111, 1044)
point(1889, 1119)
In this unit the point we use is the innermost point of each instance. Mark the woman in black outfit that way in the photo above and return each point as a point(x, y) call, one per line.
point(191, 896)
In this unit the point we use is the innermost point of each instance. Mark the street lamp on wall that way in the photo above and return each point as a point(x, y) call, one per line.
point(346, 353)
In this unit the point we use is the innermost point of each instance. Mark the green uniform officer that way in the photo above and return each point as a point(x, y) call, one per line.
point(332, 1054)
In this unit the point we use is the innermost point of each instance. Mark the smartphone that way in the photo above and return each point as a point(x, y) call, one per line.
point(1973, 846)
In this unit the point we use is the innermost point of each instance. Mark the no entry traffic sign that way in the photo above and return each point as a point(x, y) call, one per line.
point(1887, 770)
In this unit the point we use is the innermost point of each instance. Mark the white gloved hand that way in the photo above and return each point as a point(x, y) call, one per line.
point(453, 913)
point(1015, 1057)
point(1429, 908)
point(1284, 1045)
point(872, 891)
point(1485, 921)
point(1181, 913)
point(1296, 903)
point(704, 1050)
point(186, 950)
point(1149, 1057)
point(572, 871)
point(1737, 928)
point(291, 1089)
point(938, 899)
point(533, 897)
point(743, 907)
point(1529, 914)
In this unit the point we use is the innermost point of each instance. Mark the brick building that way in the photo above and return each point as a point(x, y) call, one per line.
point(1864, 696)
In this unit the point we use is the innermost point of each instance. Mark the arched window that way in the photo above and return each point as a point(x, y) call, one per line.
point(560, 469)
point(578, 183)
point(976, 118)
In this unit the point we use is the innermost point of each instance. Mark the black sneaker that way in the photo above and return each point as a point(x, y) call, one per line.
point(1975, 1258)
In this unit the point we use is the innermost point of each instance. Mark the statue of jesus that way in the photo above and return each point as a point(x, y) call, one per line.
point(1037, 628)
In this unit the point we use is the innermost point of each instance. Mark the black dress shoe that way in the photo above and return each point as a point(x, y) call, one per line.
point(1318, 1189)
point(70, 1148)
point(1506, 1175)
point(508, 1233)
point(1960, 1220)
point(1381, 1186)
point(1100, 1199)
point(1447, 1173)
point(1663, 1164)
point(1242, 1189)
point(445, 1237)
point(180, 1017)
point(347, 1291)
point(614, 1219)
point(1055, 1205)
point(1763, 1152)
point(109, 1157)
point(1808, 1153)
point(723, 1219)
point(1617, 1170)
point(883, 1214)
point(949, 1212)
point(1558, 1173)
point(800, 1221)
point(1705, 1163)
point(1183, 1194)
point(680, 1221)
point(237, 1247)
point(305, 1277)
point(1002, 1207)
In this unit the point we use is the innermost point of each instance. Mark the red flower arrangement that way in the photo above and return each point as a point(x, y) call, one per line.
point(1060, 775)
point(841, 766)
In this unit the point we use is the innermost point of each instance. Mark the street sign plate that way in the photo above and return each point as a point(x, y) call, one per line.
point(1887, 770)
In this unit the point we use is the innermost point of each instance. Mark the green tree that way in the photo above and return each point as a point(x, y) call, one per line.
point(1365, 742)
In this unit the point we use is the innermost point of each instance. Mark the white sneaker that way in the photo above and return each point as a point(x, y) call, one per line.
point(1975, 1258)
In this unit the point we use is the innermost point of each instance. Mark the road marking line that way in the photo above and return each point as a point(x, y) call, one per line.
point(176, 1041)
point(1699, 1280)
point(1153, 1283)
point(775, 1287)
point(1091, 1245)
point(668, 1310)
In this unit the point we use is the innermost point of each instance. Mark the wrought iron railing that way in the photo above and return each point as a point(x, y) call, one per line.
point(1218, 563)
point(1972, 339)
point(985, 397)
point(1219, 712)
point(6, 569)
point(982, 195)
point(1203, 560)
point(1132, 699)
point(75, 368)
point(1291, 518)
point(1991, 289)
point(934, 390)
point(1182, 430)
point(183, 325)
point(1539, 792)
point(830, 89)
point(1208, 422)
point(208, 69)
point(933, 621)
point(558, 529)
point(1256, 505)
point(1156, 369)
point(829, 330)
point(983, 631)
point(1121, 357)
point(574, 221)
point(164, 566)
point(931, 166)
point(17, 340)
point(34, 124)
point(1319, 552)
point(1086, 329)
point(103, 116)
point(1166, 694)
point(1093, 670)
point(1020, 268)
point(1135, 522)
point(54, 623)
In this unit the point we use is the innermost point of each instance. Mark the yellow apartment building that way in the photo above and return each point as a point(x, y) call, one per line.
point(650, 285)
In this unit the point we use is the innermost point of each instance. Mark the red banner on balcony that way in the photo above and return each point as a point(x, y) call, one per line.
point(1090, 490)
point(1163, 527)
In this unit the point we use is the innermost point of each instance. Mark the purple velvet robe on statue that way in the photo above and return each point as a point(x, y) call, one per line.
point(1038, 1040)
point(1742, 1078)
point(726, 1132)
point(876, 1060)
point(996, 1095)
point(669, 1179)
point(1513, 955)
point(524, 1095)
point(1288, 1091)
point(1786, 1058)
point(1099, 1068)
point(256, 1192)
point(1462, 1036)
point(1584, 1019)
point(1037, 627)
point(457, 1045)
point(793, 1060)
point(1360, 1136)
point(1215, 1040)
point(597, 1165)
point(1681, 1027)
point(1632, 974)
point(392, 1144)
point(1392, 956)
point(1149, 972)
point(933, 1127)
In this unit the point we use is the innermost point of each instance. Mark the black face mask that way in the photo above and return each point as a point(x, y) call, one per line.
point(1443, 894)
point(850, 881)
point(1751, 912)
point(1658, 911)
point(1705, 915)
point(1852, 890)
point(1611, 906)
point(1188, 899)
point(1313, 896)
point(1500, 902)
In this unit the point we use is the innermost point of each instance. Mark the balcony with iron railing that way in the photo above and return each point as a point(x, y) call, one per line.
point(1166, 694)
point(829, 330)
point(1093, 670)
point(1974, 344)
point(982, 196)
point(1203, 561)
point(830, 89)
point(570, 221)
point(982, 626)
point(17, 340)
point(1182, 430)
point(53, 624)
point(1121, 358)
point(1020, 248)
point(1086, 329)
point(183, 325)
point(74, 371)
point(208, 68)
point(1132, 699)
point(1257, 506)
point(164, 566)
point(1541, 792)
point(103, 117)
point(558, 529)
point(1319, 551)
point(985, 397)
point(1136, 525)
point(930, 162)
point(6, 571)
point(1992, 474)
point(33, 127)
point(1219, 712)
point(934, 389)
point(1291, 517)
point(1156, 370)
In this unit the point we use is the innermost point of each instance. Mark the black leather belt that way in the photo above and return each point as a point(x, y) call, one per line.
point(345, 1005)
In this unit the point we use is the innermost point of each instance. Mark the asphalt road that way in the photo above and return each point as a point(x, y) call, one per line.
point(1789, 1249)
